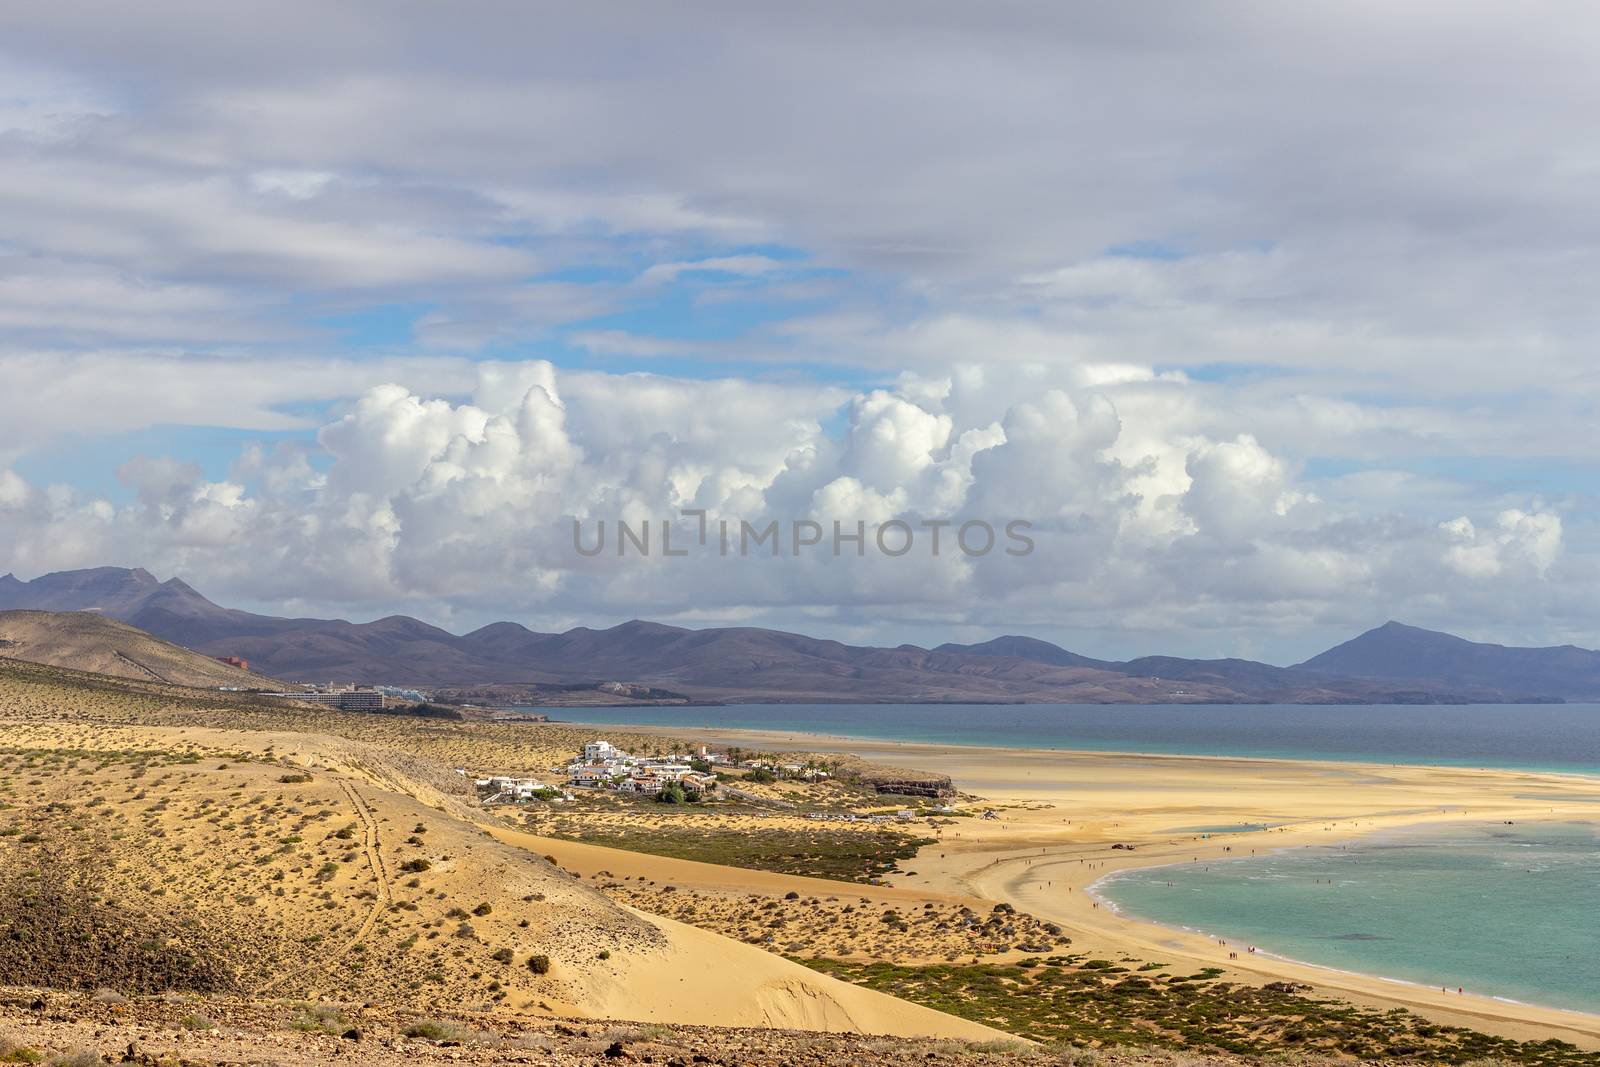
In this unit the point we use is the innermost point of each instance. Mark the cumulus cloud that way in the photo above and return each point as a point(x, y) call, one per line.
point(468, 506)
point(1515, 539)
point(1237, 489)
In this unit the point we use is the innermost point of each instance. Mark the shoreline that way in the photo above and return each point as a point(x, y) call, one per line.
point(1522, 1019)
point(808, 741)
point(1093, 890)
point(1040, 861)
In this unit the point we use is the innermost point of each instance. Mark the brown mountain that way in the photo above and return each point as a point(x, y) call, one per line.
point(727, 664)
point(1395, 650)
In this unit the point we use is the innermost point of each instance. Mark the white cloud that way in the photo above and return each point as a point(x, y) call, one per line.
point(468, 505)
point(1530, 542)
point(744, 266)
point(295, 184)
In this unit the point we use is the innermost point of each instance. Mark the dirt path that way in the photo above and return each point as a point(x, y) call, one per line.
point(384, 896)
point(380, 870)
point(130, 661)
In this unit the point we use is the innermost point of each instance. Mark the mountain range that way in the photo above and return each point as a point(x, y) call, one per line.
point(1393, 663)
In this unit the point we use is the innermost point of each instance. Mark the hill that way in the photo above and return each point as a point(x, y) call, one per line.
point(1028, 648)
point(749, 664)
point(1395, 650)
point(197, 845)
point(87, 641)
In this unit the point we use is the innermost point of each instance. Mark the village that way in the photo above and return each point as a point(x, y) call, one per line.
point(685, 776)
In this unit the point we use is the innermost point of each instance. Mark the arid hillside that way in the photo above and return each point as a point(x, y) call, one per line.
point(88, 641)
point(145, 852)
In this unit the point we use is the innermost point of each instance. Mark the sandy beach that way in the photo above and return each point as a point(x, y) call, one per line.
point(1058, 814)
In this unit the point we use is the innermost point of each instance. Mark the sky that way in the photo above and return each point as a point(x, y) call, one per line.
point(1272, 322)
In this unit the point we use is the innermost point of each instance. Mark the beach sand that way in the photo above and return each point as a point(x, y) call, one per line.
point(1059, 814)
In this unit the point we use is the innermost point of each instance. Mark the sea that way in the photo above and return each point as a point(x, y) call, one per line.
point(1502, 911)
point(1541, 737)
point(1511, 912)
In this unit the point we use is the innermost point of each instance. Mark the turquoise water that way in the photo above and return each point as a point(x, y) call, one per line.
point(1504, 911)
point(1545, 737)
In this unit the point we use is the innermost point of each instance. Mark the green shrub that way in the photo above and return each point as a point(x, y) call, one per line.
point(11, 1052)
point(437, 1030)
point(320, 1018)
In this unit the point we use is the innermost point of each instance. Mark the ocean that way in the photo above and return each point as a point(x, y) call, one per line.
point(1544, 737)
point(1504, 911)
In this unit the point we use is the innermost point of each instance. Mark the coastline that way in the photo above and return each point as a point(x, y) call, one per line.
point(1061, 811)
point(1098, 892)
point(807, 737)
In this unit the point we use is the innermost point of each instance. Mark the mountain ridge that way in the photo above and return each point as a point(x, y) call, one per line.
point(1388, 650)
point(752, 664)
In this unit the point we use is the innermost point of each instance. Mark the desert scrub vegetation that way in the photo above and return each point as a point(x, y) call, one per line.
point(1059, 1002)
point(64, 929)
point(845, 927)
point(439, 1030)
point(15, 1052)
point(321, 1019)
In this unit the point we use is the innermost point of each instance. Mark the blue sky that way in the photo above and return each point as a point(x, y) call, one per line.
point(1275, 333)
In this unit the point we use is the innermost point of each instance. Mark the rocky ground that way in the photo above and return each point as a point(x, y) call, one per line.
point(82, 1029)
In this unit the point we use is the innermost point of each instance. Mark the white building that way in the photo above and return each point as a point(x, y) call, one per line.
point(588, 777)
point(603, 765)
point(601, 752)
point(504, 789)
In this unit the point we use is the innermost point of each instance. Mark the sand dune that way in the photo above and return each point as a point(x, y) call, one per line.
point(704, 978)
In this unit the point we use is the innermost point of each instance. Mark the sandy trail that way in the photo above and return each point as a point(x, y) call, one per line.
point(383, 896)
point(374, 857)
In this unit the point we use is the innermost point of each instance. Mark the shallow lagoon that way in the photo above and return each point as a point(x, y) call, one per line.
point(1504, 911)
